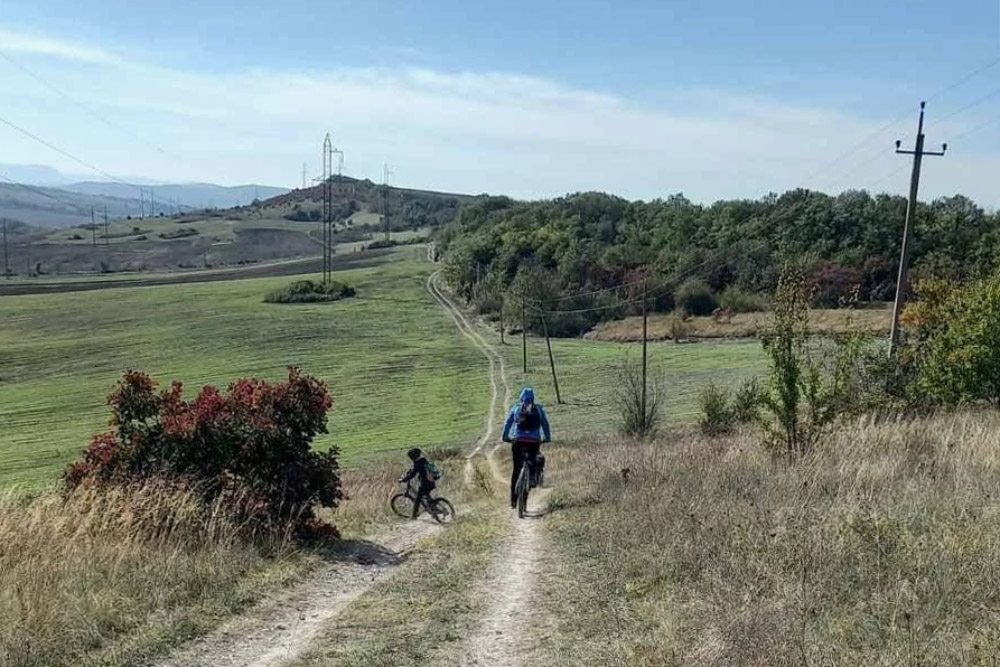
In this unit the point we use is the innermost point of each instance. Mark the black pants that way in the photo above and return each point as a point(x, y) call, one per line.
point(424, 491)
point(521, 451)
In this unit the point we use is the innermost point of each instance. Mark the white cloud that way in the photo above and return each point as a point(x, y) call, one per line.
point(39, 45)
point(464, 131)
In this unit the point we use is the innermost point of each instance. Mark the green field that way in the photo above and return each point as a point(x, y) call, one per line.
point(587, 371)
point(399, 371)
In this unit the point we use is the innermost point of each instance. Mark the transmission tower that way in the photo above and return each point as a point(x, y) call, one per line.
point(327, 208)
point(386, 173)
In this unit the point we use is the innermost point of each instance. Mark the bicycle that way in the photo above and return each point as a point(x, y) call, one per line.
point(439, 508)
point(529, 477)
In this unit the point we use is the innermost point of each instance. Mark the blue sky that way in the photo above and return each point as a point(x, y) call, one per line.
point(720, 99)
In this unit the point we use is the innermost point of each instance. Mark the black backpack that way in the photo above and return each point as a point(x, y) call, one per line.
point(528, 419)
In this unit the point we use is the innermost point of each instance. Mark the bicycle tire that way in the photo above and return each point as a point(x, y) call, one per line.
point(443, 512)
point(522, 492)
point(402, 504)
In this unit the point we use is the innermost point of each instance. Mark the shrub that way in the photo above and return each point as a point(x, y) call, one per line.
point(627, 396)
point(747, 401)
point(695, 298)
point(717, 416)
point(308, 291)
point(178, 233)
point(249, 448)
point(961, 356)
point(835, 285)
point(679, 329)
point(739, 300)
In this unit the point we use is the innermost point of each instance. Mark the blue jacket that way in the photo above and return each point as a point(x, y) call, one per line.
point(511, 432)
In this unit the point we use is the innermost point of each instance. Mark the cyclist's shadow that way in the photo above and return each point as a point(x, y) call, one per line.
point(362, 552)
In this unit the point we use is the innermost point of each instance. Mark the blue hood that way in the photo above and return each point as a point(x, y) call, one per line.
point(527, 395)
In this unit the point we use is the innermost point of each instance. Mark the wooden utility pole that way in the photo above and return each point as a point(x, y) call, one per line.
point(105, 223)
point(6, 256)
point(552, 363)
point(93, 229)
point(524, 338)
point(644, 355)
point(903, 280)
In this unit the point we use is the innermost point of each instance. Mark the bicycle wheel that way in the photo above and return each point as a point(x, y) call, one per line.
point(402, 504)
point(443, 510)
point(522, 492)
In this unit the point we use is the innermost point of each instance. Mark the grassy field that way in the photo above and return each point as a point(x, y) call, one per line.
point(399, 371)
point(879, 548)
point(587, 369)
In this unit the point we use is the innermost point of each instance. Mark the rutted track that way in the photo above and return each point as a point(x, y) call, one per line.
point(497, 368)
point(277, 631)
point(497, 642)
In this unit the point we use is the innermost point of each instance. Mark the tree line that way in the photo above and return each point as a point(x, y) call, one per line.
point(498, 249)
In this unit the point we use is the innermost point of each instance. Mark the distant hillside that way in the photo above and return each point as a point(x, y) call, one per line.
point(362, 200)
point(187, 195)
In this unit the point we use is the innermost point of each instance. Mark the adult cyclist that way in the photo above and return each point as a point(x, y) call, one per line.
point(527, 427)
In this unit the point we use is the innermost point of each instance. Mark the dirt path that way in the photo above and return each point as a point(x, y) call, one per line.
point(280, 629)
point(497, 642)
point(497, 371)
point(277, 631)
point(511, 583)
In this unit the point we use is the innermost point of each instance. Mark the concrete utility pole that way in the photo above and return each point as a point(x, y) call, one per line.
point(903, 281)
point(524, 338)
point(645, 358)
point(105, 224)
point(552, 362)
point(93, 229)
point(303, 175)
point(6, 256)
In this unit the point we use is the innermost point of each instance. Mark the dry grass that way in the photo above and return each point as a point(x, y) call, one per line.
point(106, 577)
point(743, 325)
point(878, 549)
point(115, 577)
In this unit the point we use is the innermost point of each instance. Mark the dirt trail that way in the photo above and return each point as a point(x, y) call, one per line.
point(497, 642)
point(497, 370)
point(280, 629)
point(277, 631)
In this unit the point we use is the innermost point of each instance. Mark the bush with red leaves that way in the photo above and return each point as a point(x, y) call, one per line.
point(250, 447)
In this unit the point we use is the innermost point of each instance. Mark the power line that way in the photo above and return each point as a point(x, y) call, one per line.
point(89, 111)
point(65, 153)
point(905, 114)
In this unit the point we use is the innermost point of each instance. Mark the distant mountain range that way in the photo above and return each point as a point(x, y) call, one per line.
point(43, 196)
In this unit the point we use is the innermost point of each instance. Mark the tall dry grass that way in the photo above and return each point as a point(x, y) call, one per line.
point(880, 548)
point(105, 577)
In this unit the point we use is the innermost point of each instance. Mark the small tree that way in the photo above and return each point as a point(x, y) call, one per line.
point(803, 397)
point(627, 396)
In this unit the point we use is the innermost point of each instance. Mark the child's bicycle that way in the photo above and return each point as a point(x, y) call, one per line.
point(439, 508)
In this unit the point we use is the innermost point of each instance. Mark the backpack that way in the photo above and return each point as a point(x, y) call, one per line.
point(433, 472)
point(528, 420)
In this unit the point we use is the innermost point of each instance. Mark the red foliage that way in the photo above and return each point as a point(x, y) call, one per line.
point(250, 446)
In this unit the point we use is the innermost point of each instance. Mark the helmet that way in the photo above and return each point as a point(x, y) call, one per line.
point(414, 453)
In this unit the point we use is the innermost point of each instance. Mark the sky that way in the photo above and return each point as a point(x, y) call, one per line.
point(641, 98)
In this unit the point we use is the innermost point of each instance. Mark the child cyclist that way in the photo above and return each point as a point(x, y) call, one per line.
point(426, 472)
